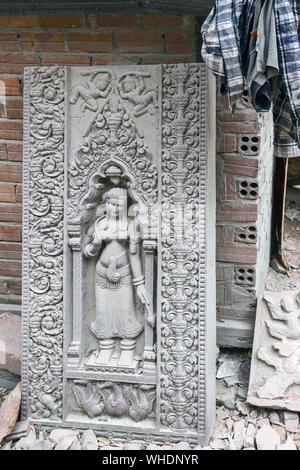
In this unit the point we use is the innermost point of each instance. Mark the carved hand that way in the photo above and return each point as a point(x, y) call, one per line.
point(142, 294)
point(92, 248)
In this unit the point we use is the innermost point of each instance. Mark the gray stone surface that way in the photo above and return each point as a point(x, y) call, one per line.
point(8, 380)
point(9, 412)
point(126, 146)
point(89, 440)
point(10, 343)
point(275, 379)
point(267, 438)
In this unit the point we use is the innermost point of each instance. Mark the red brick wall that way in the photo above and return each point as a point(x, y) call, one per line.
point(68, 40)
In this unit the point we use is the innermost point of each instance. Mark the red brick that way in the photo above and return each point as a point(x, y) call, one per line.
point(227, 144)
point(18, 58)
point(23, 21)
point(7, 193)
point(43, 46)
point(66, 59)
point(227, 191)
point(102, 59)
point(239, 127)
point(236, 254)
point(19, 194)
point(241, 166)
point(11, 130)
point(176, 43)
point(10, 233)
point(237, 213)
point(10, 250)
point(227, 116)
point(135, 43)
point(11, 172)
point(162, 21)
point(61, 21)
point(14, 68)
point(12, 86)
point(90, 42)
point(164, 59)
point(3, 152)
point(108, 20)
point(228, 235)
point(222, 103)
point(10, 268)
point(8, 42)
point(15, 286)
point(47, 36)
point(219, 233)
point(14, 152)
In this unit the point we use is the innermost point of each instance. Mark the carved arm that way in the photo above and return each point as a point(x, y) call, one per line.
point(93, 247)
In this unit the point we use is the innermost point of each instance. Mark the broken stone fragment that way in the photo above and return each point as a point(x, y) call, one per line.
point(10, 343)
point(229, 368)
point(267, 438)
point(89, 440)
point(27, 442)
point(220, 430)
point(58, 434)
point(288, 445)
point(226, 396)
point(182, 446)
point(219, 444)
point(274, 417)
point(131, 446)
point(249, 439)
point(291, 421)
point(239, 430)
point(9, 412)
point(75, 444)
point(243, 408)
point(280, 429)
point(42, 444)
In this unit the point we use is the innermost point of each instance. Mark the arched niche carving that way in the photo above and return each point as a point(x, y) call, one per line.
point(113, 173)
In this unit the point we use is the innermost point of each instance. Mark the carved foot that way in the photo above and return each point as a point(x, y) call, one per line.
point(107, 347)
point(127, 352)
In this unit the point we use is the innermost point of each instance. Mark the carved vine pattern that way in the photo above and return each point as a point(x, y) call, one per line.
point(44, 236)
point(180, 247)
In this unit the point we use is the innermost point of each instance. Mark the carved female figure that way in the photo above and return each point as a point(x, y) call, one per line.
point(118, 272)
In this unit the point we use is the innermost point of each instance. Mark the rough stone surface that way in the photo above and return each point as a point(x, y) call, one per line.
point(288, 445)
point(239, 434)
point(10, 343)
point(267, 438)
point(89, 440)
point(9, 412)
point(274, 379)
point(226, 395)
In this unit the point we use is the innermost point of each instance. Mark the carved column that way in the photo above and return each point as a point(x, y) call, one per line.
point(74, 242)
point(149, 353)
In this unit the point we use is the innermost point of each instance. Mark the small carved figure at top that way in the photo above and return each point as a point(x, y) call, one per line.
point(132, 87)
point(98, 85)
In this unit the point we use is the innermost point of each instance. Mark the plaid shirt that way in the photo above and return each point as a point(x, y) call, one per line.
point(226, 34)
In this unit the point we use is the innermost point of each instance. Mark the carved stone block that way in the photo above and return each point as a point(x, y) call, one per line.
point(275, 366)
point(118, 266)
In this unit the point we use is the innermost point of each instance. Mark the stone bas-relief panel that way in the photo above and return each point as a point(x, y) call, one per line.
point(275, 367)
point(119, 330)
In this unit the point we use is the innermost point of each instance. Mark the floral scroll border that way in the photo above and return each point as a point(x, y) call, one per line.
point(42, 295)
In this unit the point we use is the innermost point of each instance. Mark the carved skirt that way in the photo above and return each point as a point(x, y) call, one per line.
point(115, 306)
